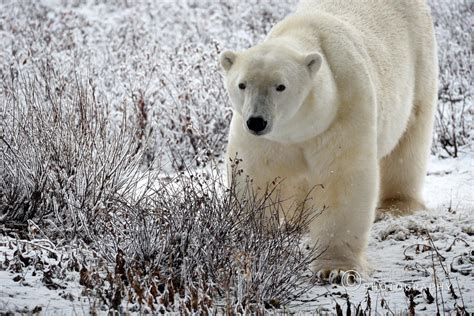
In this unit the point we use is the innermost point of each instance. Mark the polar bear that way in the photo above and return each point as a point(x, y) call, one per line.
point(341, 94)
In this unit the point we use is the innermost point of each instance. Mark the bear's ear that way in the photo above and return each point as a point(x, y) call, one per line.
point(313, 62)
point(227, 59)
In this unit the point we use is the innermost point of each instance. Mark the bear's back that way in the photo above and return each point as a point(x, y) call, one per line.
point(376, 16)
point(398, 38)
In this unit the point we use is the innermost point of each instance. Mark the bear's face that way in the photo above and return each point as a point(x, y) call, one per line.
point(268, 85)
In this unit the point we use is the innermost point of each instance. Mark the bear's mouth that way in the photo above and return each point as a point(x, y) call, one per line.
point(258, 133)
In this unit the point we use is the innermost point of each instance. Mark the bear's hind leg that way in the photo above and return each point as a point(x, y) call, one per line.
point(403, 171)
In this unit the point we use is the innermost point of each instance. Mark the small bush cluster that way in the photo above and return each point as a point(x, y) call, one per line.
point(62, 163)
point(204, 249)
point(455, 115)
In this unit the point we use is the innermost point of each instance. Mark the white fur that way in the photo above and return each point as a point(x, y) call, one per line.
point(356, 115)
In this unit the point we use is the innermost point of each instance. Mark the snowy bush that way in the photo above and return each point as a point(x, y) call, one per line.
point(62, 162)
point(207, 250)
point(455, 116)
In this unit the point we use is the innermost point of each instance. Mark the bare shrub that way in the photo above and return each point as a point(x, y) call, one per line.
point(207, 249)
point(62, 162)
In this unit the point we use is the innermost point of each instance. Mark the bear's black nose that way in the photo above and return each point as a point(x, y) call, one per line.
point(256, 124)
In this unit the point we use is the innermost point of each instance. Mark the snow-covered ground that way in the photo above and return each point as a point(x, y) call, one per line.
point(400, 250)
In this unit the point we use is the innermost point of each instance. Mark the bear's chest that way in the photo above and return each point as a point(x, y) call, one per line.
point(279, 160)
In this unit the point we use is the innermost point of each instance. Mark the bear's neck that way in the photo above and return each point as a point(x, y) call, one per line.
point(295, 44)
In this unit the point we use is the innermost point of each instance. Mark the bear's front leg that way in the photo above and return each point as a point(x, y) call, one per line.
point(341, 231)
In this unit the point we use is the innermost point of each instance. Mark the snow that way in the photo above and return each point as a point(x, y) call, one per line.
point(27, 295)
point(24, 291)
point(450, 181)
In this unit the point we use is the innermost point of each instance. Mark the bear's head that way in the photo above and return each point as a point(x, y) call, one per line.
point(269, 87)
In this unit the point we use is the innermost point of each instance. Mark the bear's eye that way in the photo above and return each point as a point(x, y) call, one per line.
point(242, 86)
point(280, 88)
